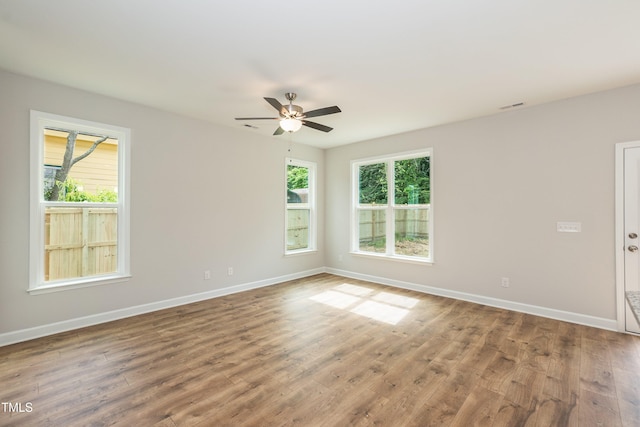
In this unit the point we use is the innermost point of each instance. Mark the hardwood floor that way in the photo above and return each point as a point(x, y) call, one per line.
point(325, 351)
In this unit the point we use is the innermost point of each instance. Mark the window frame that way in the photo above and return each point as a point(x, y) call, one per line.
point(38, 122)
point(390, 208)
point(310, 205)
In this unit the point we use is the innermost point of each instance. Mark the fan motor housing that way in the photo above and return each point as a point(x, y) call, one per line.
point(293, 110)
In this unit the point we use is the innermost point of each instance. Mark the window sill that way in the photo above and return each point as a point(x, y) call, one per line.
point(410, 260)
point(300, 252)
point(78, 284)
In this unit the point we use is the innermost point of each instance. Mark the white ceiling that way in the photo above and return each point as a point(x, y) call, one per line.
point(391, 66)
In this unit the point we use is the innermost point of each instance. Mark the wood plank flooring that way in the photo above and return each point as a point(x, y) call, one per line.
point(325, 351)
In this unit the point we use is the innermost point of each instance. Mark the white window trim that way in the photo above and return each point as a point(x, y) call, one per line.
point(311, 205)
point(40, 120)
point(390, 208)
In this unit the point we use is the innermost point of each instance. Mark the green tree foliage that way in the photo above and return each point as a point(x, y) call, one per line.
point(411, 177)
point(297, 177)
point(373, 184)
point(68, 191)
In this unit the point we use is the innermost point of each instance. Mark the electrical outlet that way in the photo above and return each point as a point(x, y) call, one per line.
point(207, 275)
point(505, 282)
point(230, 271)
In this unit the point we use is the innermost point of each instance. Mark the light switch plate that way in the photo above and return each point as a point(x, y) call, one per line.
point(569, 227)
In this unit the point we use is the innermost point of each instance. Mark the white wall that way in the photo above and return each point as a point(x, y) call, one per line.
point(192, 186)
point(500, 184)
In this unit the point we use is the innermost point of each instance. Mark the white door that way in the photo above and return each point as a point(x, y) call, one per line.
point(630, 229)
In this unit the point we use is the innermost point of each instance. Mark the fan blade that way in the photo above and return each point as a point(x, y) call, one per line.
point(317, 126)
point(276, 104)
point(323, 111)
point(257, 118)
point(279, 131)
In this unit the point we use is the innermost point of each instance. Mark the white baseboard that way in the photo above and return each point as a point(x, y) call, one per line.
point(581, 319)
point(81, 322)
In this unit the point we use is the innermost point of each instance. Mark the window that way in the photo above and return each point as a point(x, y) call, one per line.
point(300, 213)
point(392, 215)
point(79, 203)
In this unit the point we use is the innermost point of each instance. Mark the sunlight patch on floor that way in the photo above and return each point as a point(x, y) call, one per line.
point(354, 289)
point(335, 299)
point(385, 307)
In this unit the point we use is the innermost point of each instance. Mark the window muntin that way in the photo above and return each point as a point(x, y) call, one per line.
point(79, 209)
point(300, 210)
point(392, 206)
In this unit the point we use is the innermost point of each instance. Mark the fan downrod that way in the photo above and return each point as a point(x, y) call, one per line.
point(293, 111)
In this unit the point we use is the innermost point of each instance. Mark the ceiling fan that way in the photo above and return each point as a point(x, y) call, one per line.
point(292, 117)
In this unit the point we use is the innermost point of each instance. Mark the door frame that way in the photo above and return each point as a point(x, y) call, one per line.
point(619, 232)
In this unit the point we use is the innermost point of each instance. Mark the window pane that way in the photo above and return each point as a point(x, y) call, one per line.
point(412, 232)
point(80, 242)
point(373, 184)
point(373, 230)
point(297, 229)
point(412, 181)
point(80, 167)
point(297, 184)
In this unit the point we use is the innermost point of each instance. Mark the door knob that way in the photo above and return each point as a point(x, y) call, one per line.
point(633, 248)
point(633, 236)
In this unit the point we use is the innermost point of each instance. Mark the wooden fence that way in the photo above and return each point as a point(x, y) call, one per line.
point(297, 229)
point(80, 242)
point(412, 223)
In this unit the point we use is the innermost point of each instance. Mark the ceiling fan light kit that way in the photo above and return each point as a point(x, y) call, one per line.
point(290, 125)
point(292, 117)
